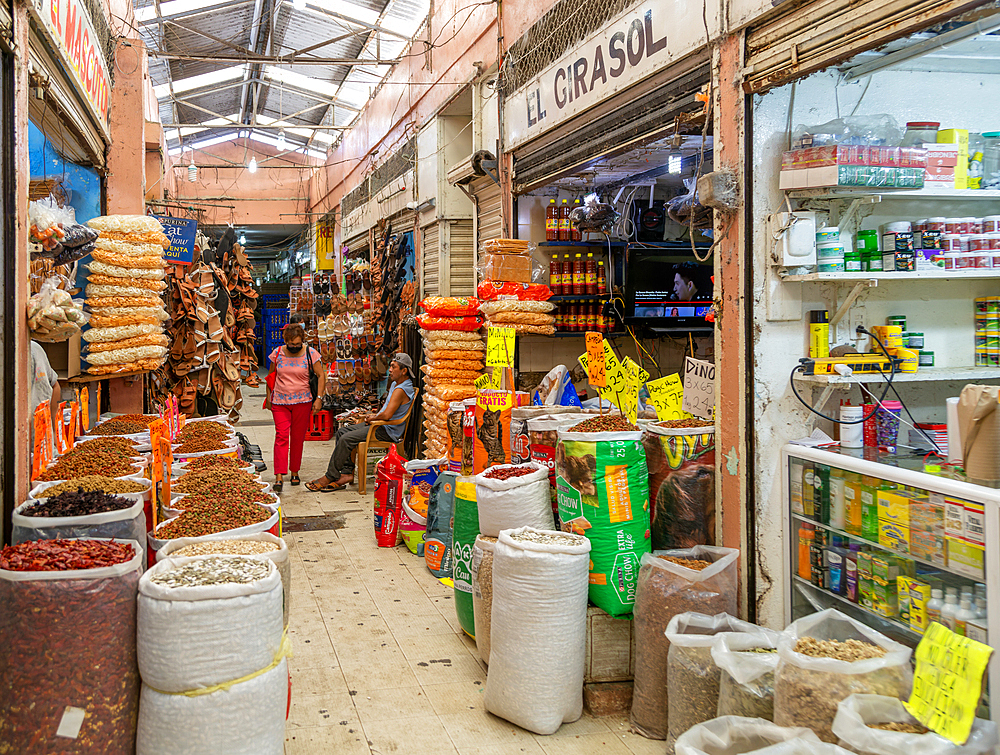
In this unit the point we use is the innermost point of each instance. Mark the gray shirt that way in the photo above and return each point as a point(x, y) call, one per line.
point(396, 431)
point(43, 377)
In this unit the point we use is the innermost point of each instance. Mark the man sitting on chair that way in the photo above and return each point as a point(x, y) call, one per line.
point(340, 470)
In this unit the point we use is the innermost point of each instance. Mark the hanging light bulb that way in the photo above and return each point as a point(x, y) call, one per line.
point(243, 239)
point(193, 173)
point(281, 139)
point(252, 165)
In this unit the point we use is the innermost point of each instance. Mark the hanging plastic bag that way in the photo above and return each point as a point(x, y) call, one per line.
point(509, 502)
point(747, 663)
point(437, 540)
point(665, 589)
point(450, 306)
point(808, 689)
point(389, 473)
point(857, 714)
point(54, 315)
point(538, 629)
point(735, 735)
point(432, 322)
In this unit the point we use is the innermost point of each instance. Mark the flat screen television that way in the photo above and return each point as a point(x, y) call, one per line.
point(666, 288)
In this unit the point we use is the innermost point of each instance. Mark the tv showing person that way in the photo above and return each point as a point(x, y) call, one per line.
point(692, 282)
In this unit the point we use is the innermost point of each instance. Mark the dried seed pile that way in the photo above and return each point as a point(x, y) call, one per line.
point(232, 547)
point(213, 571)
point(692, 688)
point(509, 472)
point(78, 503)
point(126, 424)
point(64, 555)
point(204, 429)
point(209, 518)
point(900, 726)
point(105, 464)
point(213, 461)
point(682, 423)
point(89, 483)
point(839, 650)
point(546, 538)
point(214, 480)
point(109, 442)
point(223, 498)
point(694, 564)
point(200, 445)
point(609, 423)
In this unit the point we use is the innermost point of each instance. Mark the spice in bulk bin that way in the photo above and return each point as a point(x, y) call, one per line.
point(214, 461)
point(78, 503)
point(71, 468)
point(64, 555)
point(209, 481)
point(231, 547)
point(210, 518)
point(694, 564)
point(214, 570)
point(611, 423)
point(118, 427)
point(508, 473)
point(90, 483)
point(200, 445)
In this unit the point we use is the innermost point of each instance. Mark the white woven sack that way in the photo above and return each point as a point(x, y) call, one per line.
point(246, 719)
point(734, 735)
point(482, 549)
point(279, 557)
point(517, 502)
point(189, 638)
point(538, 633)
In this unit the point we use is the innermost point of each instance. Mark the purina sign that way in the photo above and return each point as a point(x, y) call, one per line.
point(636, 44)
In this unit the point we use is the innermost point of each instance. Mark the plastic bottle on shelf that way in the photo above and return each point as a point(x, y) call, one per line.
point(602, 281)
point(950, 608)
point(590, 274)
point(555, 275)
point(575, 233)
point(934, 605)
point(558, 315)
point(569, 320)
point(567, 274)
point(552, 221)
point(981, 612)
point(838, 510)
point(564, 226)
point(579, 274)
point(599, 319)
point(806, 533)
point(963, 615)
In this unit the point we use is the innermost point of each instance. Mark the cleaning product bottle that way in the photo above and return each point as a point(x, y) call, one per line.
point(819, 333)
point(950, 608)
point(964, 614)
point(838, 503)
point(934, 606)
point(806, 533)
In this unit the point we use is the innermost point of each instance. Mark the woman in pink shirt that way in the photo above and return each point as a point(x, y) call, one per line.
point(291, 402)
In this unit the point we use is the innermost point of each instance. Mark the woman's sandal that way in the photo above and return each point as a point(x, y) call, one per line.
point(277, 486)
point(294, 479)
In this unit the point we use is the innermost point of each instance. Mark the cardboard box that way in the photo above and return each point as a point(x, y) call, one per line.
point(865, 579)
point(885, 567)
point(884, 598)
point(941, 156)
point(893, 535)
point(64, 357)
point(507, 267)
point(793, 179)
point(966, 558)
point(928, 546)
point(960, 138)
point(894, 506)
point(926, 515)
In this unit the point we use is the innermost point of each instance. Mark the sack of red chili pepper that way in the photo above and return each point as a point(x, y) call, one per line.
point(513, 495)
point(68, 674)
point(81, 515)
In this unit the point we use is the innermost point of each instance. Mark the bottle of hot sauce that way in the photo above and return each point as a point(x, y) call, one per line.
point(567, 275)
point(575, 233)
point(565, 233)
point(602, 281)
point(579, 275)
point(590, 274)
point(552, 221)
point(555, 275)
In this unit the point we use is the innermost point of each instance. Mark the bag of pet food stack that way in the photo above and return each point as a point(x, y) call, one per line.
point(437, 540)
point(538, 628)
point(513, 495)
point(681, 463)
point(602, 486)
point(463, 540)
point(492, 441)
point(389, 473)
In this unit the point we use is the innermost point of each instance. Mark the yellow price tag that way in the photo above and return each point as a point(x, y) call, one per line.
point(666, 395)
point(630, 396)
point(500, 346)
point(483, 382)
point(595, 360)
point(948, 682)
point(627, 363)
point(615, 378)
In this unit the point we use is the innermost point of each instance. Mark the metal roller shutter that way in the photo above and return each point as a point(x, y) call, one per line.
point(430, 252)
point(488, 198)
point(463, 258)
point(825, 32)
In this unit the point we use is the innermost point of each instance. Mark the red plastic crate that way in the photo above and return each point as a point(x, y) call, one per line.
point(322, 426)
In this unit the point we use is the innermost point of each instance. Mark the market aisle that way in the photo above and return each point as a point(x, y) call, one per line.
point(380, 665)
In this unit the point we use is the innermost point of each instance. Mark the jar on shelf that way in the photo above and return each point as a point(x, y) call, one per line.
point(919, 133)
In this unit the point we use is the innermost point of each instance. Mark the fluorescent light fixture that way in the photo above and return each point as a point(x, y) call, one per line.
point(201, 80)
point(252, 165)
point(674, 164)
point(281, 139)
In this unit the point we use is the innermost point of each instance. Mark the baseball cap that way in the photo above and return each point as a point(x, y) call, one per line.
point(403, 360)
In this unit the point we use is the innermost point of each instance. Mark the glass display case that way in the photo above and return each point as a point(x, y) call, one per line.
point(873, 536)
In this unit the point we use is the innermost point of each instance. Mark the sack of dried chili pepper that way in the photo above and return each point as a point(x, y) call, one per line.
point(68, 674)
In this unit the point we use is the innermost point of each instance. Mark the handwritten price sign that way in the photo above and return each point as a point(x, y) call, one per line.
point(630, 396)
point(699, 388)
point(500, 347)
point(666, 395)
point(595, 360)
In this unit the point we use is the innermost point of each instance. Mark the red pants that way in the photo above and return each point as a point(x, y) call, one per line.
point(291, 423)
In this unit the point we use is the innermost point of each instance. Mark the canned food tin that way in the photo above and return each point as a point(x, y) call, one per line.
point(899, 320)
point(926, 359)
point(981, 339)
point(913, 339)
point(991, 224)
point(982, 304)
point(982, 358)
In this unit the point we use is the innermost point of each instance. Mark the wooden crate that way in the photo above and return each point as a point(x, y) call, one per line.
point(610, 653)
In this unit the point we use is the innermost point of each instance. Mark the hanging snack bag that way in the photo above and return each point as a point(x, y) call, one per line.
point(602, 488)
point(437, 540)
point(389, 473)
point(492, 441)
point(463, 540)
point(450, 306)
point(681, 463)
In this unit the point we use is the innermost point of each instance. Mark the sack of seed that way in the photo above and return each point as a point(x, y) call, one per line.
point(692, 676)
point(702, 579)
point(207, 620)
point(733, 735)
point(482, 592)
point(538, 628)
point(747, 662)
point(877, 725)
point(827, 656)
point(513, 495)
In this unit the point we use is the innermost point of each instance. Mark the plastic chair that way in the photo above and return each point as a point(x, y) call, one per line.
point(361, 473)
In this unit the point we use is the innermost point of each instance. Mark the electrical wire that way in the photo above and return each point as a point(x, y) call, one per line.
point(908, 414)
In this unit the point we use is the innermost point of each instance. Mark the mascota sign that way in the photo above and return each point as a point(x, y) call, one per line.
point(69, 23)
point(181, 232)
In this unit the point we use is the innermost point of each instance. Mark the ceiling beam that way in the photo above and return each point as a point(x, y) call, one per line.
point(158, 18)
point(206, 35)
point(230, 123)
point(358, 22)
point(193, 94)
point(275, 60)
point(258, 15)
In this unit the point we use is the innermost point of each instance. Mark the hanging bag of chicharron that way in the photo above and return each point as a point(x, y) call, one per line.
point(602, 487)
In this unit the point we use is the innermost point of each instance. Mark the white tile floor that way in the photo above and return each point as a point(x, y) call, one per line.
point(380, 665)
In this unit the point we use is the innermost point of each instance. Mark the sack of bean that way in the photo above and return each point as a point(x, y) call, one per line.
point(733, 735)
point(482, 592)
point(207, 620)
point(538, 628)
point(464, 537)
point(703, 579)
point(747, 662)
point(878, 725)
point(692, 676)
point(68, 675)
point(81, 514)
point(681, 464)
point(261, 545)
point(827, 656)
point(514, 495)
point(603, 491)
point(437, 539)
